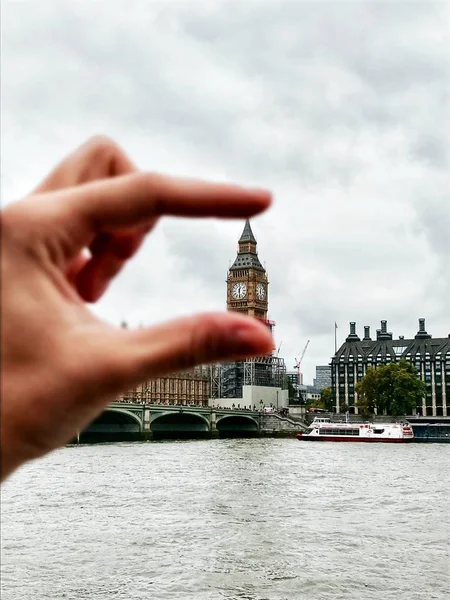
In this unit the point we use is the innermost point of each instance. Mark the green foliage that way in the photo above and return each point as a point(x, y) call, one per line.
point(368, 391)
point(393, 388)
point(325, 401)
point(326, 398)
point(314, 403)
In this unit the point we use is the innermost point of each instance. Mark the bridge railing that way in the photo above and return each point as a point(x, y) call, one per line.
point(281, 413)
point(133, 402)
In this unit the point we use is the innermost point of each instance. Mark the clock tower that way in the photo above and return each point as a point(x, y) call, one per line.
point(247, 293)
point(247, 285)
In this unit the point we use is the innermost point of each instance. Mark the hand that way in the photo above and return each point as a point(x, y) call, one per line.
point(61, 247)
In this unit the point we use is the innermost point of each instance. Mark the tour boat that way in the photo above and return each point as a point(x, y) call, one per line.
point(325, 430)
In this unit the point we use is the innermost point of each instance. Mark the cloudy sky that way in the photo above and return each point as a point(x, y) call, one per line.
point(340, 108)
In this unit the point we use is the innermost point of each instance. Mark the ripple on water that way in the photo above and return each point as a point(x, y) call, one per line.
point(209, 520)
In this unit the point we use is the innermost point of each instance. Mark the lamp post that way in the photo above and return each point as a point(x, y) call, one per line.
point(261, 405)
point(277, 400)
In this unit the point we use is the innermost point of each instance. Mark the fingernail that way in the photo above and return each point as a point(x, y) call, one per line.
point(248, 339)
point(255, 190)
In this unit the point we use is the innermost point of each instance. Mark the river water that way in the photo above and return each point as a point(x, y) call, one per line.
point(260, 519)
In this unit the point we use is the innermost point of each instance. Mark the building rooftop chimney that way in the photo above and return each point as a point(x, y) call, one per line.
point(382, 334)
point(367, 337)
point(422, 334)
point(353, 336)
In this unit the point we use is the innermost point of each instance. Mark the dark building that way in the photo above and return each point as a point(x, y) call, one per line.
point(292, 377)
point(431, 356)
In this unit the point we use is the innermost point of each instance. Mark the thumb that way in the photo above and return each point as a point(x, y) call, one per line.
point(142, 354)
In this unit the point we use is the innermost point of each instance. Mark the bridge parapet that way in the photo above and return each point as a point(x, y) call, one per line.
point(151, 413)
point(150, 419)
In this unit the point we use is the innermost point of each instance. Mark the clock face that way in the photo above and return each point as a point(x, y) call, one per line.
point(260, 291)
point(239, 291)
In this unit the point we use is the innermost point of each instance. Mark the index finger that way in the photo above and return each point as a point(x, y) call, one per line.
point(130, 200)
point(135, 200)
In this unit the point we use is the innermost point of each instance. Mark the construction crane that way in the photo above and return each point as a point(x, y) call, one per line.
point(298, 362)
point(279, 348)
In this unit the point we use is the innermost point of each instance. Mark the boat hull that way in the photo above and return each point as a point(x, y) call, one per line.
point(324, 430)
point(336, 438)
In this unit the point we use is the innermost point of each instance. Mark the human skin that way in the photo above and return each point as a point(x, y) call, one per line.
point(60, 248)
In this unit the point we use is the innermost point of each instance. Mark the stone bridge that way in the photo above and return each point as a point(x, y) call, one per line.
point(129, 421)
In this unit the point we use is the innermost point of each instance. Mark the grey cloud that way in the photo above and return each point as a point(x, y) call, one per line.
point(433, 149)
point(201, 251)
point(433, 217)
point(340, 108)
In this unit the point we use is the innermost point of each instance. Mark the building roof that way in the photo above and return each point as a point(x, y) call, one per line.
point(247, 261)
point(384, 346)
point(247, 234)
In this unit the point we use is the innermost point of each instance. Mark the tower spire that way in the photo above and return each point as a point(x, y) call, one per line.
point(247, 256)
point(247, 234)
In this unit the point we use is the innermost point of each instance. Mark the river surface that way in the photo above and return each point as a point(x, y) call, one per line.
point(260, 519)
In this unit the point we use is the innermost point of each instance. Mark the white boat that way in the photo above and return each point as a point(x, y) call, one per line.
point(325, 430)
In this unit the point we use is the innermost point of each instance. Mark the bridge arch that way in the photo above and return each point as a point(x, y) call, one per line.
point(179, 424)
point(129, 416)
point(113, 424)
point(237, 425)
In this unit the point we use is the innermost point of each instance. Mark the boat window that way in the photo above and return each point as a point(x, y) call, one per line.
point(345, 432)
point(378, 430)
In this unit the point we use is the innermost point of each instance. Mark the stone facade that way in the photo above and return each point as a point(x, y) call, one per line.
point(185, 388)
point(274, 423)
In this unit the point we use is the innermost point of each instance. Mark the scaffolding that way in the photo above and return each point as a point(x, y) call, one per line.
point(232, 379)
point(215, 381)
point(228, 379)
point(268, 371)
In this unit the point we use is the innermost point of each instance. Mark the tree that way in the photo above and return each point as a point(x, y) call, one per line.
point(326, 398)
point(315, 403)
point(393, 389)
point(368, 391)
